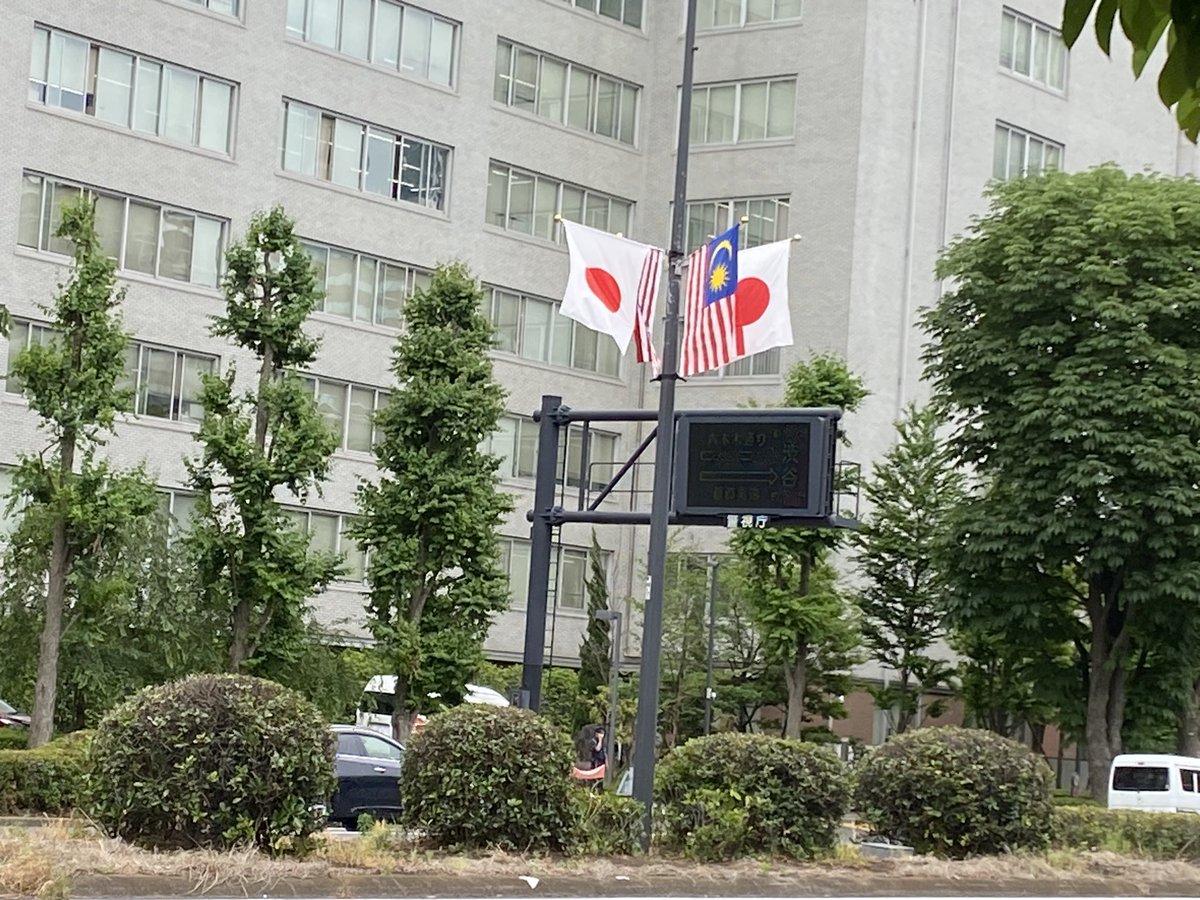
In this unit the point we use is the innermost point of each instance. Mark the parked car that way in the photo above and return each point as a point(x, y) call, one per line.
point(1155, 782)
point(368, 775)
point(10, 718)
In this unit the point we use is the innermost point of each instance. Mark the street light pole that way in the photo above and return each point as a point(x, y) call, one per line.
point(614, 683)
point(646, 732)
point(713, 564)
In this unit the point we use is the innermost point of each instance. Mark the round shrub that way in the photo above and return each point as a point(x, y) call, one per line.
point(213, 761)
point(485, 776)
point(729, 795)
point(957, 791)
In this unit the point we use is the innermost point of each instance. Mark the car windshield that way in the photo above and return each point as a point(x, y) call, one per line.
point(5, 708)
point(1139, 778)
point(380, 704)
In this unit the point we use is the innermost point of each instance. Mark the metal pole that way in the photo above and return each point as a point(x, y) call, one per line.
point(541, 539)
point(646, 732)
point(614, 683)
point(713, 563)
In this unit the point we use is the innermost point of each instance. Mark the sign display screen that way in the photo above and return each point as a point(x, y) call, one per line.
point(752, 463)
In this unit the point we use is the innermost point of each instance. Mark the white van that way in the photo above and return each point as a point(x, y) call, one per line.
point(375, 708)
point(1156, 782)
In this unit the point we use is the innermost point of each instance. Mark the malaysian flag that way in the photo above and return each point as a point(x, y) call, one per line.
point(647, 297)
point(709, 322)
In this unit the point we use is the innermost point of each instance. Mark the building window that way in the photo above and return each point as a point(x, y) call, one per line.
point(22, 336)
point(10, 518)
point(364, 157)
point(225, 7)
point(142, 236)
point(627, 12)
point(565, 92)
point(1034, 50)
point(743, 112)
point(132, 91)
point(1020, 153)
point(570, 586)
point(532, 328)
point(768, 220)
point(362, 288)
point(526, 203)
point(348, 410)
point(327, 532)
point(393, 35)
point(739, 13)
point(166, 383)
point(179, 508)
point(515, 442)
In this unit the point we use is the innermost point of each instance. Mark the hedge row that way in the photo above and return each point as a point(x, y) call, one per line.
point(46, 781)
point(1153, 834)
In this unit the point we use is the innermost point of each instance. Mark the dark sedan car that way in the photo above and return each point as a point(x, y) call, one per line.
point(368, 774)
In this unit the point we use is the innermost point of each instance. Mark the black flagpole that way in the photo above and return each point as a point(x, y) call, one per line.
point(646, 729)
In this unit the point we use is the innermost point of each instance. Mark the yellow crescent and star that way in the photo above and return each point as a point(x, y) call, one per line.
point(718, 276)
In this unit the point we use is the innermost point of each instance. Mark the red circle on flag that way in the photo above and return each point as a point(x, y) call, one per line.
point(605, 287)
point(753, 297)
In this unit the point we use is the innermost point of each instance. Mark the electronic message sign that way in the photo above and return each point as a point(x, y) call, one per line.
point(766, 462)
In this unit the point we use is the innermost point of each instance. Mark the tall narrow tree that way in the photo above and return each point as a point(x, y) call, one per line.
point(595, 651)
point(911, 492)
point(795, 621)
point(72, 382)
point(252, 563)
point(430, 522)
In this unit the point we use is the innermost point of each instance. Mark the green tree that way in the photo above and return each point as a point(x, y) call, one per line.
point(595, 652)
point(745, 680)
point(797, 623)
point(252, 564)
point(910, 493)
point(129, 621)
point(1145, 23)
point(1069, 354)
point(684, 645)
point(72, 383)
point(430, 522)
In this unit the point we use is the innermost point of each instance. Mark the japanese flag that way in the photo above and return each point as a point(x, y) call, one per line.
point(611, 278)
point(762, 317)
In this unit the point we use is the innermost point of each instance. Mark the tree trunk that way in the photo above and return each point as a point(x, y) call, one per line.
point(402, 720)
point(1106, 683)
point(1187, 741)
point(243, 609)
point(239, 634)
point(795, 673)
point(906, 714)
point(41, 726)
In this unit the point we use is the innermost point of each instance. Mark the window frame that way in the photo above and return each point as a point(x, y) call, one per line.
point(594, 77)
point(560, 187)
point(705, 90)
point(128, 201)
point(140, 63)
point(342, 521)
point(522, 429)
point(580, 555)
point(322, 164)
point(1052, 34)
point(415, 278)
point(176, 398)
point(380, 397)
point(373, 51)
point(595, 7)
point(1027, 138)
point(743, 14)
point(557, 322)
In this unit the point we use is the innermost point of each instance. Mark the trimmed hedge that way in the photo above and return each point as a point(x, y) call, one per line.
point(1153, 834)
point(607, 824)
point(485, 776)
point(957, 792)
point(729, 795)
point(14, 738)
point(213, 761)
point(46, 781)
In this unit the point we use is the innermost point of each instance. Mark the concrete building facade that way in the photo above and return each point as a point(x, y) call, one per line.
point(399, 135)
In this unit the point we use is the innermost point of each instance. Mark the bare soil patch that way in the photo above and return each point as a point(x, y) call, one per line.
point(58, 861)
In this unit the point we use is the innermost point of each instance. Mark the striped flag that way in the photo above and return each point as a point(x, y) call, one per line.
point(647, 297)
point(709, 325)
